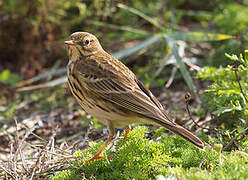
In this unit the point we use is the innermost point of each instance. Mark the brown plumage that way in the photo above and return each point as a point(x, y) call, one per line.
point(106, 89)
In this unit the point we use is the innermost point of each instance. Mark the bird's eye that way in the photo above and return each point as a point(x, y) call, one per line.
point(87, 41)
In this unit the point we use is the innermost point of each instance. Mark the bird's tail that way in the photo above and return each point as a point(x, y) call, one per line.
point(186, 134)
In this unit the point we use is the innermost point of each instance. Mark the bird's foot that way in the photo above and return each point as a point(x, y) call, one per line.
point(96, 157)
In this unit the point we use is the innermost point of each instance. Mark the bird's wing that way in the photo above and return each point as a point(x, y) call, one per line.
point(125, 91)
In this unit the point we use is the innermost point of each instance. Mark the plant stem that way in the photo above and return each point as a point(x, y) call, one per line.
point(233, 139)
point(241, 89)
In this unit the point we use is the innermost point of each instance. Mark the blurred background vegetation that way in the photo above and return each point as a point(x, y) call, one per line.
point(196, 33)
point(172, 46)
point(33, 31)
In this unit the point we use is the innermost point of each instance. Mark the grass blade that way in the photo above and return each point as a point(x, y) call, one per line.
point(118, 27)
point(137, 47)
point(142, 15)
point(198, 36)
point(42, 76)
point(180, 63)
point(52, 83)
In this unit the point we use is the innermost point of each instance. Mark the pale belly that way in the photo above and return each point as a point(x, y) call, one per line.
point(104, 116)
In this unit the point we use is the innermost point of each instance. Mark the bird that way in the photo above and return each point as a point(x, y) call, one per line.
point(109, 91)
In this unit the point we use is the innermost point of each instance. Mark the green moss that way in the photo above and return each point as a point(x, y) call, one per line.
point(170, 156)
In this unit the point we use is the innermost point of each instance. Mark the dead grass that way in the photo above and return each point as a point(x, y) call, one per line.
point(29, 159)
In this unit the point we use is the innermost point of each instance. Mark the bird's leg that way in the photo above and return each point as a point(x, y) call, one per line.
point(111, 135)
point(97, 155)
point(127, 131)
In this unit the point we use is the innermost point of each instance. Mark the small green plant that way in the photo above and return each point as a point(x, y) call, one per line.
point(8, 77)
point(226, 97)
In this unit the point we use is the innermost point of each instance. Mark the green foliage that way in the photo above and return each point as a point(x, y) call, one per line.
point(42, 100)
point(238, 15)
point(63, 11)
point(66, 175)
point(130, 21)
point(170, 156)
point(230, 17)
point(169, 37)
point(224, 97)
point(9, 78)
point(14, 7)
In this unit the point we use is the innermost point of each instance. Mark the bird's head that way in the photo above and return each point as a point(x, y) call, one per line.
point(82, 44)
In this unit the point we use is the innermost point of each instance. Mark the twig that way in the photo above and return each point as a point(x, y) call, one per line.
point(193, 66)
point(20, 144)
point(35, 147)
point(205, 157)
point(52, 83)
point(240, 87)
point(7, 172)
point(233, 139)
point(52, 169)
point(172, 76)
point(40, 138)
point(46, 75)
point(187, 99)
point(41, 155)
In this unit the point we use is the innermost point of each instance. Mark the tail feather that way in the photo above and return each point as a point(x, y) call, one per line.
point(186, 134)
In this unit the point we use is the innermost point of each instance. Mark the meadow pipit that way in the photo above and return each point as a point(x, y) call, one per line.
point(107, 90)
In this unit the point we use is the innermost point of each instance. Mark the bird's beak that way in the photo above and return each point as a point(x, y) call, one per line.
point(69, 42)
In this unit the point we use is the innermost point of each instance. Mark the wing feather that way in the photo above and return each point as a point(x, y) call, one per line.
point(132, 98)
point(122, 89)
